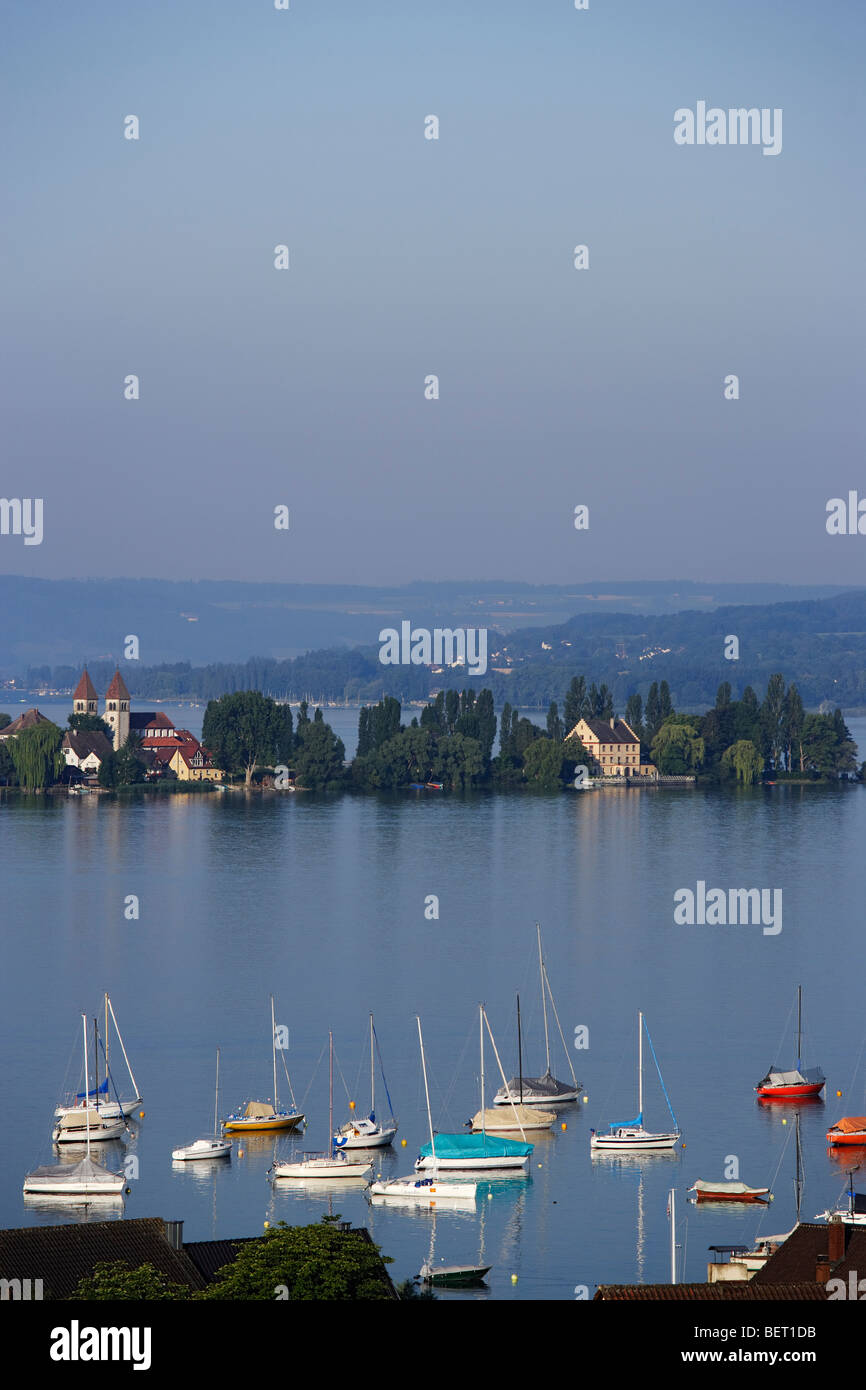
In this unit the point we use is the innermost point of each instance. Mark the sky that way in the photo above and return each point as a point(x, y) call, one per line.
point(410, 257)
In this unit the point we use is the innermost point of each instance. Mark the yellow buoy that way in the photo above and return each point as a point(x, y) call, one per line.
point(141, 1112)
point(838, 1093)
point(585, 1099)
point(564, 1125)
point(403, 1143)
point(240, 1153)
point(490, 1196)
point(514, 1278)
point(351, 1105)
point(267, 1224)
point(784, 1122)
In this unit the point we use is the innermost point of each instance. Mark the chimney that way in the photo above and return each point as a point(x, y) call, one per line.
point(822, 1271)
point(174, 1234)
point(612, 721)
point(836, 1242)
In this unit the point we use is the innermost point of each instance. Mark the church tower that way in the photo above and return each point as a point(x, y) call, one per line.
point(116, 713)
point(85, 699)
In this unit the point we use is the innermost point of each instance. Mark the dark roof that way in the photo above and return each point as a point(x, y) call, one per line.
point(797, 1258)
point(620, 733)
point(83, 742)
point(734, 1290)
point(28, 720)
point(142, 718)
point(85, 690)
point(209, 1256)
point(61, 1256)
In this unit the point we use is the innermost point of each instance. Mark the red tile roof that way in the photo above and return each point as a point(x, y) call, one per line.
point(117, 690)
point(84, 690)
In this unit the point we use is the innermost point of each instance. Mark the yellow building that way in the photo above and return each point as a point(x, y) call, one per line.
point(614, 748)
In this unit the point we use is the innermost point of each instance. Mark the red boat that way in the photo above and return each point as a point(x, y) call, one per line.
point(851, 1129)
point(728, 1192)
point(793, 1085)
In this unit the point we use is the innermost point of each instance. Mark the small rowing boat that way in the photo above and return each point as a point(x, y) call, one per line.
point(729, 1192)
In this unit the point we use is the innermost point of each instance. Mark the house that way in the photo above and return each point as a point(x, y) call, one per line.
point(85, 750)
point(28, 720)
point(193, 763)
point(614, 748)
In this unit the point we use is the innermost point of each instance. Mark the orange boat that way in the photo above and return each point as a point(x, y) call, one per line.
point(851, 1129)
point(729, 1192)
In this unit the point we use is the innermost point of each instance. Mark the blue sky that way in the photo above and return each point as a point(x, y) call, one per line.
point(411, 257)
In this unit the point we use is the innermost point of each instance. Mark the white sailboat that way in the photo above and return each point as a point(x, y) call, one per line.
point(313, 1166)
point(214, 1145)
point(98, 1098)
point(630, 1134)
point(85, 1179)
point(89, 1125)
point(262, 1115)
point(473, 1152)
point(432, 1190)
point(368, 1132)
point(519, 1117)
point(544, 1090)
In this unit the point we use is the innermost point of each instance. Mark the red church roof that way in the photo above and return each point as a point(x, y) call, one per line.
point(117, 690)
point(84, 689)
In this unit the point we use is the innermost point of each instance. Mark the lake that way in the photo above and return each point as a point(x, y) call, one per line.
point(320, 900)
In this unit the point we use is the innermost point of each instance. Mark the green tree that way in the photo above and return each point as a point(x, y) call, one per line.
point(793, 716)
point(121, 769)
point(677, 748)
point(319, 757)
point(666, 708)
point(652, 718)
point(8, 775)
point(554, 723)
point(542, 764)
point(36, 755)
point(634, 715)
point(773, 718)
point(90, 724)
point(723, 695)
point(116, 1281)
point(311, 1263)
point(576, 703)
point(247, 730)
point(745, 760)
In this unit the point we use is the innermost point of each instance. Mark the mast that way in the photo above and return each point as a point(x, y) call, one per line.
point(481, 1045)
point(520, 1052)
point(331, 1093)
point(106, 1035)
point(640, 1066)
point(274, 1050)
point(123, 1049)
point(798, 1183)
point(502, 1074)
point(799, 1024)
point(86, 1084)
point(543, 1002)
point(426, 1089)
point(216, 1098)
point(672, 1207)
point(372, 1074)
point(96, 1068)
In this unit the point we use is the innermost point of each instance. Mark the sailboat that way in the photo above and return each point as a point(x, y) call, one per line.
point(543, 1090)
point(630, 1134)
point(215, 1145)
point(520, 1117)
point(91, 1124)
point(455, 1276)
point(854, 1212)
point(262, 1115)
point(793, 1085)
point(472, 1152)
point(324, 1165)
point(368, 1133)
point(108, 1109)
point(431, 1190)
point(85, 1179)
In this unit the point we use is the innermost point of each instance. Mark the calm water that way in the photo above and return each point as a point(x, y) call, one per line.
point(321, 901)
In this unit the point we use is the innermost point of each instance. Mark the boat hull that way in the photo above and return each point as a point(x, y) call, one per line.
point(454, 1276)
point(856, 1139)
point(633, 1141)
point(317, 1169)
point(379, 1139)
point(424, 1190)
point(428, 1164)
point(256, 1124)
point(797, 1092)
point(202, 1148)
point(723, 1193)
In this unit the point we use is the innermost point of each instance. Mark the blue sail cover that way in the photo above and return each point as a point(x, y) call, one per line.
point(476, 1146)
point(94, 1091)
point(628, 1124)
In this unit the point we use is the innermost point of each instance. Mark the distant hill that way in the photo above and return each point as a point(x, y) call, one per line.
point(59, 622)
point(818, 643)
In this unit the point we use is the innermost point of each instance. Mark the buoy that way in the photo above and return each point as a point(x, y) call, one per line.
point(351, 1105)
point(784, 1122)
point(585, 1099)
point(539, 1165)
point(838, 1093)
point(514, 1278)
point(403, 1143)
point(240, 1153)
point(564, 1125)
point(267, 1224)
point(490, 1196)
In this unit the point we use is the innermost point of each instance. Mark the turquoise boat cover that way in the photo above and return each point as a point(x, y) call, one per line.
point(476, 1146)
